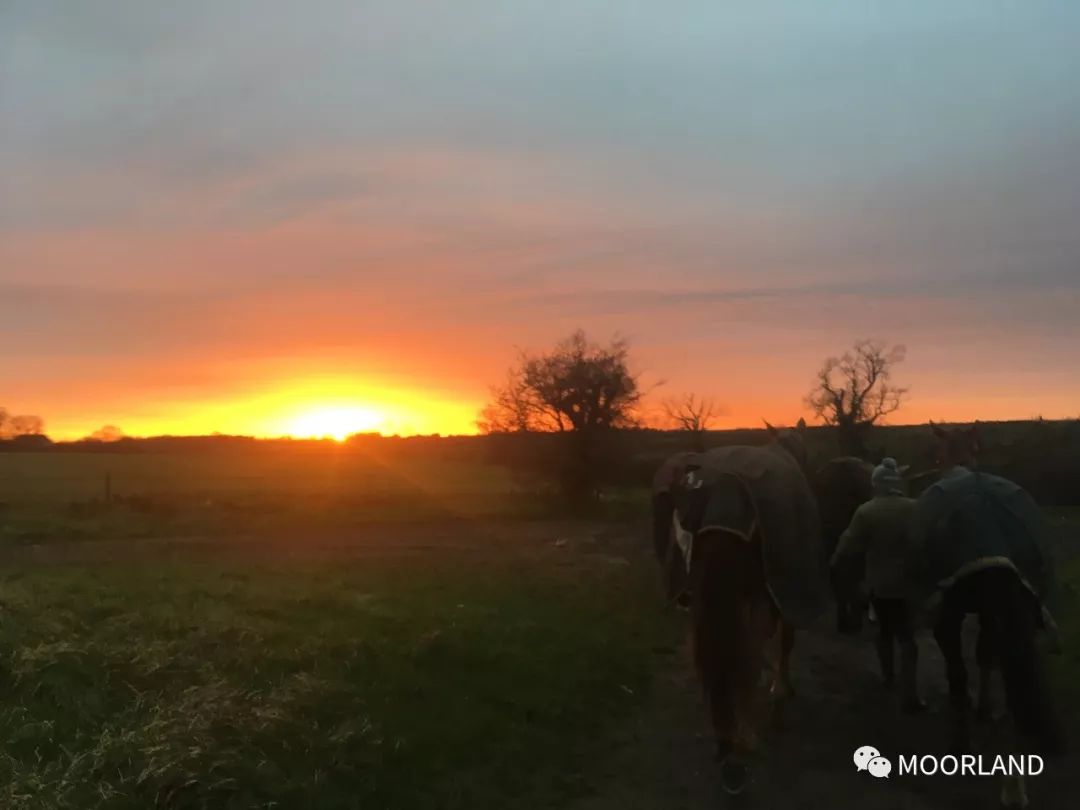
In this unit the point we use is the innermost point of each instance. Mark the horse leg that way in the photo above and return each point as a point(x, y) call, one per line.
point(984, 704)
point(985, 657)
point(715, 632)
point(1026, 690)
point(733, 716)
point(780, 689)
point(947, 634)
point(787, 644)
point(780, 686)
point(720, 655)
point(719, 699)
point(759, 625)
point(723, 723)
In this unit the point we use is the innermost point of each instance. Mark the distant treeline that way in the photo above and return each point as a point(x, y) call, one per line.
point(1043, 456)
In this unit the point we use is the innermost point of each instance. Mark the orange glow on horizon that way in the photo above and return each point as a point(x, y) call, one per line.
point(329, 406)
point(336, 423)
point(335, 404)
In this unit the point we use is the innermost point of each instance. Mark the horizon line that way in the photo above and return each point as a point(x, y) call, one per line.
point(380, 435)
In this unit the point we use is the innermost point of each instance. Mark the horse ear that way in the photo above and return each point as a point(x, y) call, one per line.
point(938, 430)
point(800, 425)
point(772, 431)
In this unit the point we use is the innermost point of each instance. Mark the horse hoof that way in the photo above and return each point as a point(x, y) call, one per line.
point(734, 776)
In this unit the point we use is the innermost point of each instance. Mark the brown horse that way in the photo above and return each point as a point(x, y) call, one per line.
point(980, 541)
point(756, 571)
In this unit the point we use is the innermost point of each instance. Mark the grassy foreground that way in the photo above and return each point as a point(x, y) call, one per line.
point(439, 682)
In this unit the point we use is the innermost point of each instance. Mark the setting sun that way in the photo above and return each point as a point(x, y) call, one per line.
point(335, 423)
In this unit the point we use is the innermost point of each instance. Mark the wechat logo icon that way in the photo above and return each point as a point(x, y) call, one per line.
point(867, 758)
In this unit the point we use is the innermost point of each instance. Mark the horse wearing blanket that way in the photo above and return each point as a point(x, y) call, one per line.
point(757, 570)
point(981, 549)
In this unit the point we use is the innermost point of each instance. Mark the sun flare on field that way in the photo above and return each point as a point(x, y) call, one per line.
point(336, 423)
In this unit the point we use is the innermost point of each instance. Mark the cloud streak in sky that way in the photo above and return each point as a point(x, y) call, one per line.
point(225, 191)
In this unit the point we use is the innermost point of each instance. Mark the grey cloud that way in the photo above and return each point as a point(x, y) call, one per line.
point(749, 155)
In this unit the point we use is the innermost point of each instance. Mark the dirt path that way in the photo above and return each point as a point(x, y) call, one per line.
point(665, 756)
point(664, 761)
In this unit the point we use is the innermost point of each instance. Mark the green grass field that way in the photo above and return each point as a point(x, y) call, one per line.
point(333, 471)
point(492, 670)
point(421, 683)
point(379, 677)
point(48, 496)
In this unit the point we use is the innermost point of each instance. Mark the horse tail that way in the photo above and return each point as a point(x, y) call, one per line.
point(716, 631)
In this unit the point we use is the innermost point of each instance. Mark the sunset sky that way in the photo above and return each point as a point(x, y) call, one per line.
point(252, 217)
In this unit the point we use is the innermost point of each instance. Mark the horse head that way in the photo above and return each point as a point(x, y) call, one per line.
point(957, 447)
point(792, 440)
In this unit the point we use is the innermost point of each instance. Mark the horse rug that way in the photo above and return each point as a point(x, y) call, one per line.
point(760, 492)
point(972, 520)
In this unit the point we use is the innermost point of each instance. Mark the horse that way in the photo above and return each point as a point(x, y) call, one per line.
point(756, 571)
point(979, 540)
point(842, 485)
point(664, 540)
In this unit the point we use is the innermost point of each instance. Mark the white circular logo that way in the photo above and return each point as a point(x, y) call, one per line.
point(879, 767)
point(864, 755)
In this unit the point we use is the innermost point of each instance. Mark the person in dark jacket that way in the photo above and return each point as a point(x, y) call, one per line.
point(880, 529)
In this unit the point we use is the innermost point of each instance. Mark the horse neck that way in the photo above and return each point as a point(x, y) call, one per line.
point(799, 458)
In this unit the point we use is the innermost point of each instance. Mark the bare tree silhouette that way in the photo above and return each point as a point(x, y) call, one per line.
point(692, 414)
point(14, 426)
point(580, 389)
point(854, 392)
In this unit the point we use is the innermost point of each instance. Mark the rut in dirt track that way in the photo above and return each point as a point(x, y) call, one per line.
point(665, 761)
